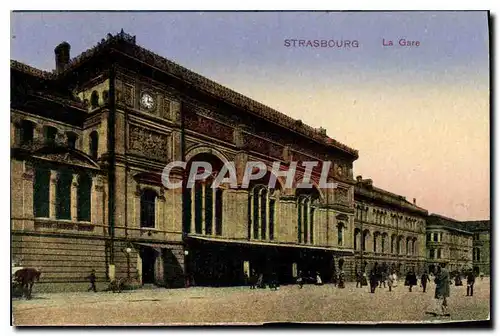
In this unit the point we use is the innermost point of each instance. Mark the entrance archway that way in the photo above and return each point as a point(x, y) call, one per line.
point(148, 256)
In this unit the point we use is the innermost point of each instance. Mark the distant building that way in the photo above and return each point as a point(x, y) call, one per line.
point(389, 230)
point(449, 243)
point(481, 251)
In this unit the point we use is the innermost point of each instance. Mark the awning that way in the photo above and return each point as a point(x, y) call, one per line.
point(338, 251)
point(155, 246)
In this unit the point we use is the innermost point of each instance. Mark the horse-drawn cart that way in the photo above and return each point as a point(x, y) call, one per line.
point(23, 279)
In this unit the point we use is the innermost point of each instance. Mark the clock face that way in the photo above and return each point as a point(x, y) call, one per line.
point(147, 101)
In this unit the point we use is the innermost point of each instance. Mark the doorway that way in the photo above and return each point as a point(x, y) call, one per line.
point(148, 256)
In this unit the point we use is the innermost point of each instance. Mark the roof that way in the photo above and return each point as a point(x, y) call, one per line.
point(446, 222)
point(365, 188)
point(197, 81)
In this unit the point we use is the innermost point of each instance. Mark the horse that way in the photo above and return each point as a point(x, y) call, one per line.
point(26, 277)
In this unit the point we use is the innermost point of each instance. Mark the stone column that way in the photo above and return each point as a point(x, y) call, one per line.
point(214, 205)
point(52, 194)
point(251, 219)
point(203, 187)
point(193, 212)
point(74, 198)
point(267, 215)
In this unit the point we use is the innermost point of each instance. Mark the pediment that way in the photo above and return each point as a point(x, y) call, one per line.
point(65, 156)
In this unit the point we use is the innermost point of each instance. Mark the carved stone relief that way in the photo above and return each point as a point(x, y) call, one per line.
point(147, 143)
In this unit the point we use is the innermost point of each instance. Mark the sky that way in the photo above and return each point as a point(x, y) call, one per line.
point(419, 115)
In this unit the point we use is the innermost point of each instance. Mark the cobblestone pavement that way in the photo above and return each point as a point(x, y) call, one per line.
point(241, 305)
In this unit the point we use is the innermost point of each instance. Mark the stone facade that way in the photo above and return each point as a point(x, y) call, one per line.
point(87, 157)
point(481, 245)
point(448, 243)
point(389, 230)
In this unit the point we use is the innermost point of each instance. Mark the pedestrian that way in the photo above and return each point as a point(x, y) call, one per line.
point(300, 280)
point(334, 278)
point(458, 279)
point(471, 279)
point(253, 279)
point(274, 283)
point(442, 292)
point(260, 281)
point(391, 280)
point(92, 278)
point(411, 279)
point(383, 279)
point(319, 282)
point(423, 280)
point(359, 279)
point(341, 279)
point(373, 279)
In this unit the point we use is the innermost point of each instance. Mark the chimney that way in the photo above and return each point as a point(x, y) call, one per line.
point(414, 201)
point(62, 55)
point(359, 178)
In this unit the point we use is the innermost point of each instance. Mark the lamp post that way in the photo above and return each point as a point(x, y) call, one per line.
point(186, 267)
point(128, 250)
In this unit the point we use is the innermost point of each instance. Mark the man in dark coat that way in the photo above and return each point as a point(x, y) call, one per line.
point(411, 279)
point(374, 278)
point(442, 281)
point(424, 279)
point(471, 278)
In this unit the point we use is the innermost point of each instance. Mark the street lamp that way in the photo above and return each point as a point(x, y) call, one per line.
point(128, 250)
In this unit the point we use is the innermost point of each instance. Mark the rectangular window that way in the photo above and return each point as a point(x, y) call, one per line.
point(198, 195)
point(263, 215)
point(255, 215)
point(84, 192)
point(41, 189)
point(435, 237)
point(218, 212)
point(340, 241)
point(299, 223)
point(63, 195)
point(439, 253)
point(311, 231)
point(271, 219)
point(431, 254)
point(209, 198)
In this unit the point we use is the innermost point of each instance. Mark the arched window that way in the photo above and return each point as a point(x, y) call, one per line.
point(305, 219)
point(408, 245)
point(27, 132)
point(398, 245)
point(84, 192)
point(50, 134)
point(375, 236)
point(431, 254)
point(41, 187)
point(365, 237)
point(63, 194)
point(383, 238)
point(340, 234)
point(439, 253)
point(148, 208)
point(72, 138)
point(94, 99)
point(393, 241)
point(357, 233)
point(94, 144)
point(413, 245)
point(262, 209)
point(206, 206)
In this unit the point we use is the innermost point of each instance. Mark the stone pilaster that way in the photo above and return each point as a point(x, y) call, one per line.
point(74, 198)
point(52, 194)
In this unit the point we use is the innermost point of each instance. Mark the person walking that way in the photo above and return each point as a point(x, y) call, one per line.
point(442, 280)
point(359, 280)
point(423, 280)
point(300, 280)
point(341, 280)
point(471, 279)
point(319, 282)
point(373, 279)
point(411, 279)
point(391, 280)
point(92, 279)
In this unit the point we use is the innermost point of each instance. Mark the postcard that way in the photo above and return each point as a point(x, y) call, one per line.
point(250, 168)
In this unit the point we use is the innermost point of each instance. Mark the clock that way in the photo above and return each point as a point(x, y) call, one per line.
point(147, 101)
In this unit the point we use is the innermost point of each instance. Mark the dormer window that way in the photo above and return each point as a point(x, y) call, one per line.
point(94, 100)
point(72, 138)
point(50, 134)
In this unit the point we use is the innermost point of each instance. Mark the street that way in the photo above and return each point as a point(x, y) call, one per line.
point(241, 305)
